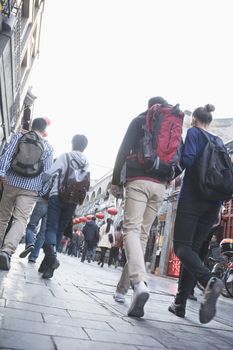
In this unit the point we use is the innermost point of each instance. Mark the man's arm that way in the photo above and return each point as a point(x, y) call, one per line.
point(6, 158)
point(130, 139)
point(58, 165)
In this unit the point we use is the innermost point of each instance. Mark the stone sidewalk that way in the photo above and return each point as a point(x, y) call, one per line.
point(76, 310)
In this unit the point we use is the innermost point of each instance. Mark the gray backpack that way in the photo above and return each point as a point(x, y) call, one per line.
point(75, 184)
point(27, 159)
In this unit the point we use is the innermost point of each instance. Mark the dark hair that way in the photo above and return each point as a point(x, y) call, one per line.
point(156, 100)
point(79, 142)
point(109, 223)
point(203, 114)
point(39, 124)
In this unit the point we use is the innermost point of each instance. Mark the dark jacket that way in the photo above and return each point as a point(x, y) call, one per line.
point(129, 146)
point(194, 145)
point(91, 233)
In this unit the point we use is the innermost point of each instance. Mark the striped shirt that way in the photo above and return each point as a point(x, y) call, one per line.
point(16, 180)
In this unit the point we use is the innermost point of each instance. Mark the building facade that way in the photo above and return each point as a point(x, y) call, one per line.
point(20, 24)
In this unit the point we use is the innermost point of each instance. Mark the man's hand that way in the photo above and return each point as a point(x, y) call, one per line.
point(3, 179)
point(117, 191)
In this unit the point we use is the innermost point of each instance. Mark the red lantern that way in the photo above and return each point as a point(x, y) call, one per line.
point(82, 219)
point(99, 215)
point(112, 211)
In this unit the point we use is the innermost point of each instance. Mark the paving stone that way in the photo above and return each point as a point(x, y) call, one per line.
point(12, 340)
point(122, 338)
point(36, 308)
point(77, 322)
point(21, 314)
point(76, 310)
point(43, 328)
point(71, 344)
point(97, 317)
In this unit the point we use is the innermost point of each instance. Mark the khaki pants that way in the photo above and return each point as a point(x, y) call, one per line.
point(19, 203)
point(142, 202)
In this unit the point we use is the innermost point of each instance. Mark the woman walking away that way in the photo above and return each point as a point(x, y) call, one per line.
point(106, 239)
point(194, 219)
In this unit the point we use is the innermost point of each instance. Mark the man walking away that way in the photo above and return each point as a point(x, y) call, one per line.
point(62, 199)
point(144, 192)
point(91, 238)
point(22, 185)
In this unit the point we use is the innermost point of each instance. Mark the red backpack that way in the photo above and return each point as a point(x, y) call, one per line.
point(160, 147)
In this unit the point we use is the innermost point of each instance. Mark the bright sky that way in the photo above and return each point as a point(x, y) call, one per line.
point(101, 60)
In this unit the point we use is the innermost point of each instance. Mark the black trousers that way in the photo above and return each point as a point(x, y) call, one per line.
point(102, 254)
point(113, 255)
point(194, 220)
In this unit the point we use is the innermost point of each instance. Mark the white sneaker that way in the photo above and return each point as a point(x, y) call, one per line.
point(140, 296)
point(119, 297)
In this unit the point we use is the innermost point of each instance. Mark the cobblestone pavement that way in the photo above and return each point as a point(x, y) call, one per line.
point(76, 310)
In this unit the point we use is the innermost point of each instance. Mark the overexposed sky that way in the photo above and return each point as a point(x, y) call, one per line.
point(101, 60)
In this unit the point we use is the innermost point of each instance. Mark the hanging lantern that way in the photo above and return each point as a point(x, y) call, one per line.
point(112, 211)
point(82, 219)
point(99, 215)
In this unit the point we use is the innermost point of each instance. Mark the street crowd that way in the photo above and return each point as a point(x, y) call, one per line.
point(39, 196)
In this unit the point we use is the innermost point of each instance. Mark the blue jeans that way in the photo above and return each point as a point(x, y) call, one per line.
point(58, 217)
point(39, 214)
point(40, 238)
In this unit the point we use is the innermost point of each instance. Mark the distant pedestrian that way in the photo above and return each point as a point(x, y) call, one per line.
point(91, 238)
point(107, 239)
point(194, 218)
point(144, 191)
point(114, 251)
point(61, 212)
point(22, 184)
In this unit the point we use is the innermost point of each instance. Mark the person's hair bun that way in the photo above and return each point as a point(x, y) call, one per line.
point(209, 108)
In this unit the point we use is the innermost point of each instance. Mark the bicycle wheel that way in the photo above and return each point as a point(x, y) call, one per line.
point(228, 282)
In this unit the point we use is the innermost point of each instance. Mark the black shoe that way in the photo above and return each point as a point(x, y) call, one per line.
point(89, 260)
point(177, 309)
point(211, 293)
point(5, 261)
point(26, 251)
point(102, 265)
point(50, 252)
point(51, 267)
point(99, 262)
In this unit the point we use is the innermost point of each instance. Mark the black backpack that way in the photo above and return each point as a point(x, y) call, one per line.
point(75, 184)
point(213, 170)
point(27, 159)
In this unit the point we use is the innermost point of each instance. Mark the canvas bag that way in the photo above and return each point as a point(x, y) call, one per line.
point(75, 184)
point(27, 159)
